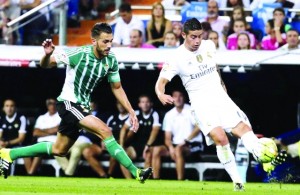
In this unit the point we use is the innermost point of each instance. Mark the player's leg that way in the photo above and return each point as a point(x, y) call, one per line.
point(225, 154)
point(180, 152)
point(158, 152)
point(131, 152)
point(250, 141)
point(99, 128)
point(75, 155)
point(90, 154)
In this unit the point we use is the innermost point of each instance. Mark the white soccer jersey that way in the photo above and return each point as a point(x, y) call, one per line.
point(212, 107)
point(181, 125)
point(197, 71)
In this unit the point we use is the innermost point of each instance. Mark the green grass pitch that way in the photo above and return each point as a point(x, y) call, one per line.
point(52, 185)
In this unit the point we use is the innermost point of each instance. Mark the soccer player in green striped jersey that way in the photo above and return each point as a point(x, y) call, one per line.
point(86, 66)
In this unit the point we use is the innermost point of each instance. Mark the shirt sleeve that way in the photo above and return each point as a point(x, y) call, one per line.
point(38, 123)
point(117, 36)
point(169, 70)
point(68, 57)
point(109, 120)
point(167, 123)
point(23, 125)
point(113, 75)
point(155, 119)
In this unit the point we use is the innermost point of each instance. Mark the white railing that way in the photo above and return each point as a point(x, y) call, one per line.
point(62, 18)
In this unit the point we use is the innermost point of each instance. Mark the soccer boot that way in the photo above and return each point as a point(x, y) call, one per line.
point(143, 174)
point(238, 187)
point(280, 158)
point(5, 162)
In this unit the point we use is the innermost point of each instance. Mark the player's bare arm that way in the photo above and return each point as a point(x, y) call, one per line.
point(160, 91)
point(48, 61)
point(222, 82)
point(121, 96)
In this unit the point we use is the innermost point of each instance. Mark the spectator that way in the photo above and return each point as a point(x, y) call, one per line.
point(37, 30)
point(214, 36)
point(280, 20)
point(177, 29)
point(172, 4)
point(243, 41)
point(148, 137)
point(115, 123)
point(158, 25)
point(292, 39)
point(180, 133)
point(12, 128)
point(136, 40)
point(217, 24)
point(89, 9)
point(206, 29)
point(125, 23)
point(45, 130)
point(274, 38)
point(237, 13)
point(239, 26)
point(233, 3)
point(170, 40)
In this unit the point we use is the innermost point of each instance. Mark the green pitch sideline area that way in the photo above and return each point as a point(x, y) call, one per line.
point(51, 185)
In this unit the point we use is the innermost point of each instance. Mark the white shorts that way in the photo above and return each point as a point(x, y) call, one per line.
point(226, 115)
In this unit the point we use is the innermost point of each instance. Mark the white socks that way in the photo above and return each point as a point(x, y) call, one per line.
point(250, 141)
point(226, 157)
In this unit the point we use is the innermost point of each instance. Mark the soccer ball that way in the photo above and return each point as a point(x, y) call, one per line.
point(265, 151)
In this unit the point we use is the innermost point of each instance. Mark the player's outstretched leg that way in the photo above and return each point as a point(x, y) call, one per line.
point(117, 152)
point(250, 142)
point(7, 156)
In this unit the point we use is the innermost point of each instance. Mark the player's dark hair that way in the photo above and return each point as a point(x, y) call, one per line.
point(99, 28)
point(279, 9)
point(191, 25)
point(125, 7)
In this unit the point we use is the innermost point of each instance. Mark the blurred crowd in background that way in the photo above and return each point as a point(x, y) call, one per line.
point(242, 30)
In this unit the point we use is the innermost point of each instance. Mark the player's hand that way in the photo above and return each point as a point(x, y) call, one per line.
point(166, 99)
point(48, 46)
point(134, 122)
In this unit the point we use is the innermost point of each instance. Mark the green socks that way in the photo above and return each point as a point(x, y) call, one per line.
point(38, 149)
point(117, 152)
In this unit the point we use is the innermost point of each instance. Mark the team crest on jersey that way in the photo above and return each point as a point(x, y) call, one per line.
point(199, 58)
point(166, 67)
point(209, 55)
point(16, 125)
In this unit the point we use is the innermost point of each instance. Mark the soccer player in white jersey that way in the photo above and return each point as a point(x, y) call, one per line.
point(214, 111)
point(86, 66)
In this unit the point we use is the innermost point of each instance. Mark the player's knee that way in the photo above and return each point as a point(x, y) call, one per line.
point(59, 151)
point(219, 137)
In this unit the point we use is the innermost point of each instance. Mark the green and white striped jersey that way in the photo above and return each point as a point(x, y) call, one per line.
point(84, 71)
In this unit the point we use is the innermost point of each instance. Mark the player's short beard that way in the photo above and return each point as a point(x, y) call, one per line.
point(99, 51)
